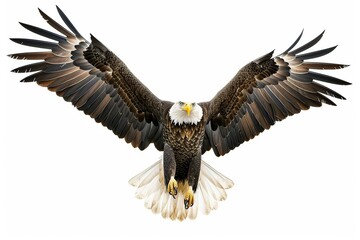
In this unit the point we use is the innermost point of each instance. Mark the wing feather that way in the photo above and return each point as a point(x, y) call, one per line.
point(31, 55)
point(307, 45)
point(316, 54)
point(44, 33)
point(36, 43)
point(265, 91)
point(94, 80)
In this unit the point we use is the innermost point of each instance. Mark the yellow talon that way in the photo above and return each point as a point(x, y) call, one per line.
point(189, 198)
point(172, 187)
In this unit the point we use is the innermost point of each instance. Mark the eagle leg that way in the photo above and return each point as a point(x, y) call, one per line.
point(170, 170)
point(193, 179)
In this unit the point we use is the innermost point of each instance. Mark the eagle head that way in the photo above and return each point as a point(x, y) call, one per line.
point(183, 112)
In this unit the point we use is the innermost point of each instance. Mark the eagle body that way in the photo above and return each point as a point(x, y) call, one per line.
point(97, 82)
point(182, 155)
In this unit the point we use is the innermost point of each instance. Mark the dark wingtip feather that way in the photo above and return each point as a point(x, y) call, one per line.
point(26, 81)
point(68, 23)
point(32, 67)
point(320, 35)
point(35, 43)
point(59, 10)
point(17, 40)
point(43, 32)
point(324, 99)
point(316, 54)
point(326, 78)
point(264, 58)
point(307, 45)
point(293, 45)
point(324, 65)
point(24, 25)
point(41, 13)
point(343, 66)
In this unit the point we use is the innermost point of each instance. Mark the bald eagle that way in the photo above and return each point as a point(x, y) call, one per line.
point(97, 82)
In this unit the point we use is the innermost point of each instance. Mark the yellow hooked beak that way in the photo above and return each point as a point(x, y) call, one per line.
point(187, 107)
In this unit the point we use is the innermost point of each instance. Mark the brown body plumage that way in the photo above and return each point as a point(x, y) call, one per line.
point(98, 83)
point(185, 142)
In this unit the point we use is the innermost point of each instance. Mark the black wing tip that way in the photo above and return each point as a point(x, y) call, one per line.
point(41, 12)
point(300, 36)
point(69, 23)
point(330, 49)
point(346, 83)
point(25, 25)
point(59, 9)
point(294, 43)
point(16, 70)
point(341, 97)
point(319, 37)
point(12, 55)
point(43, 15)
point(15, 40)
point(341, 66)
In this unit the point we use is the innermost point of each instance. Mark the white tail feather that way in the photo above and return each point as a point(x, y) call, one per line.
point(151, 187)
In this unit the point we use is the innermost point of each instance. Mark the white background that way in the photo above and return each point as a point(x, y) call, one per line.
point(62, 176)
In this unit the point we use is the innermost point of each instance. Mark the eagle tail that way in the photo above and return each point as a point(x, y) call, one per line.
point(151, 187)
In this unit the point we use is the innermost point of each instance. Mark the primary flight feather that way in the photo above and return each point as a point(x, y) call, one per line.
point(97, 82)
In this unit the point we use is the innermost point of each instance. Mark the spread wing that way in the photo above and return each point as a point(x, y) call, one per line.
point(265, 91)
point(95, 81)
